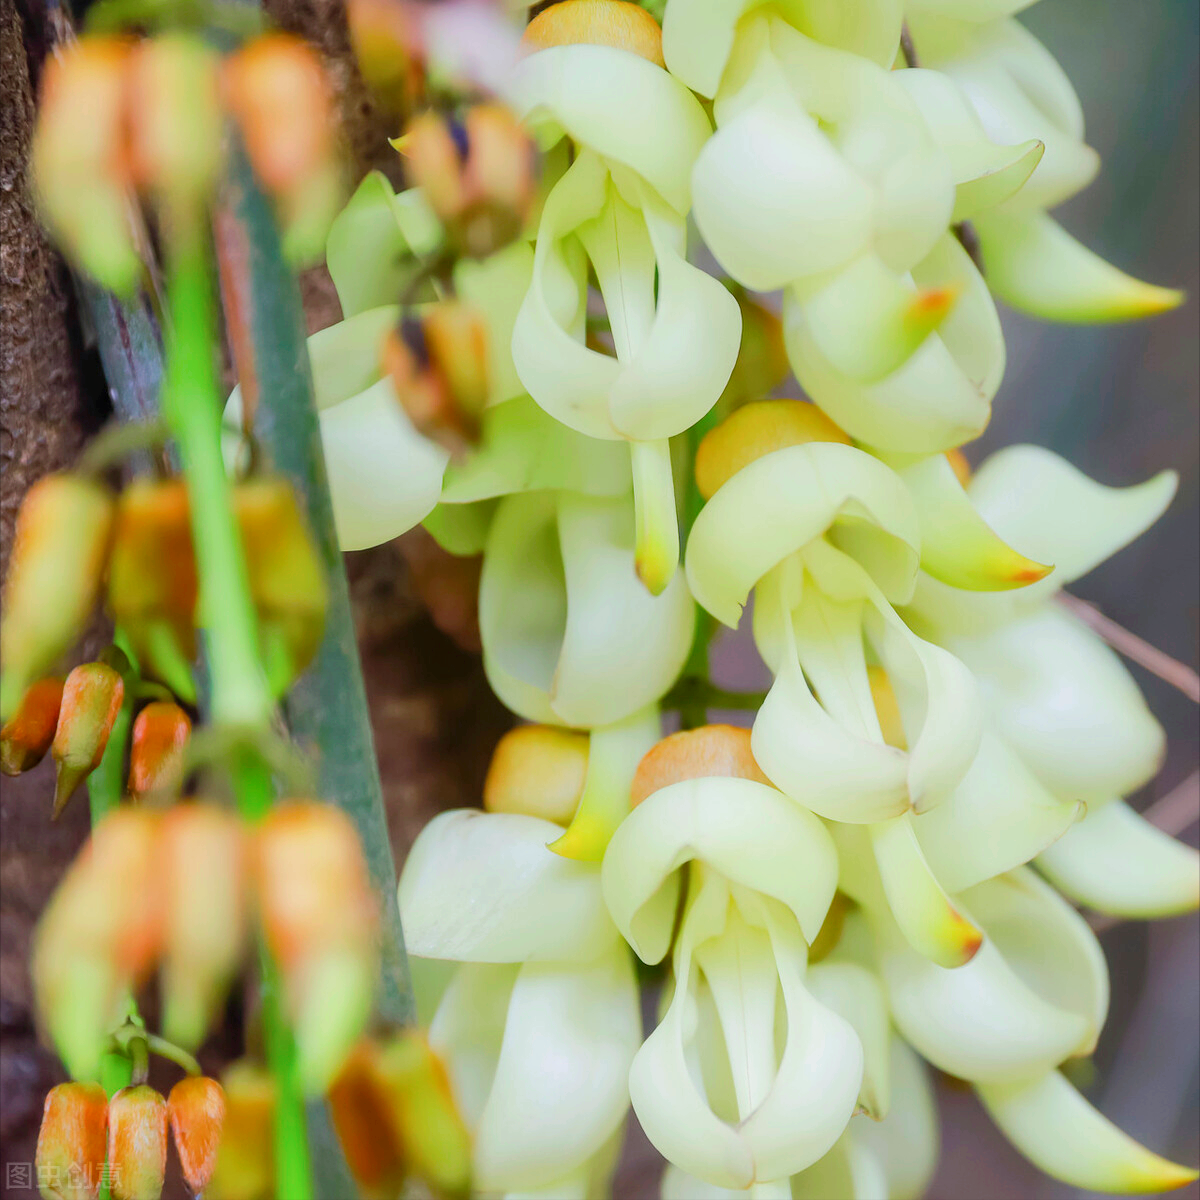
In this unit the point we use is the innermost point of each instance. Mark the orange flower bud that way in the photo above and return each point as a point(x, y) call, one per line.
point(98, 937)
point(711, 750)
point(174, 115)
point(478, 175)
point(388, 43)
point(58, 555)
point(27, 735)
point(245, 1167)
point(287, 580)
point(160, 737)
point(78, 159)
point(196, 1108)
point(70, 1145)
point(152, 586)
point(201, 865)
point(137, 1143)
point(319, 919)
point(618, 23)
point(762, 363)
point(360, 1119)
point(537, 770)
point(425, 1121)
point(438, 366)
point(91, 700)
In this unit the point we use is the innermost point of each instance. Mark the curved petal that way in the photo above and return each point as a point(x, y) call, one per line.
point(1036, 266)
point(560, 1089)
point(855, 994)
point(1046, 942)
point(781, 502)
point(599, 96)
point(998, 818)
point(1116, 862)
point(482, 887)
point(1063, 1135)
point(1044, 507)
point(906, 1141)
point(749, 832)
point(850, 1171)
point(941, 395)
point(1064, 702)
point(957, 545)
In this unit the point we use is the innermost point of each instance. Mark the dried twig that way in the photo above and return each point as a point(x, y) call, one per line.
point(1170, 670)
point(1179, 809)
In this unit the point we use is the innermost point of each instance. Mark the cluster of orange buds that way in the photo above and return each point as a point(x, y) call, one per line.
point(86, 1139)
point(179, 888)
point(122, 117)
point(395, 1116)
point(72, 534)
point(479, 174)
point(437, 362)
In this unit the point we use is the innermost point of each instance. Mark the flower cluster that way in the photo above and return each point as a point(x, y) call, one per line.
point(859, 882)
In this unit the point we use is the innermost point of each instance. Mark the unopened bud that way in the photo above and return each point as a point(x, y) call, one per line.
point(438, 367)
point(276, 91)
point(360, 1119)
point(202, 865)
point(246, 1156)
point(137, 1143)
point(479, 175)
point(98, 937)
point(427, 1124)
point(388, 43)
point(27, 734)
point(70, 1145)
point(537, 770)
point(156, 752)
point(58, 555)
point(287, 581)
point(712, 751)
point(78, 159)
point(152, 585)
point(319, 920)
point(196, 1108)
point(756, 429)
point(618, 23)
point(174, 115)
point(91, 700)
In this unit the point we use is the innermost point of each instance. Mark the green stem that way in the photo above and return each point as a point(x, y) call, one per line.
point(173, 1053)
point(240, 698)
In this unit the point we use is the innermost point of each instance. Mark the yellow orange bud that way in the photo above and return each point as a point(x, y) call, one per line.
point(137, 1143)
point(319, 919)
point(721, 751)
point(287, 581)
point(438, 366)
point(388, 43)
point(196, 1110)
point(160, 737)
point(91, 700)
point(152, 585)
point(537, 770)
point(28, 733)
point(887, 708)
point(478, 174)
point(616, 23)
point(245, 1168)
point(202, 864)
point(757, 429)
point(98, 937)
point(360, 1119)
point(174, 115)
point(71, 1141)
point(79, 162)
point(762, 363)
point(59, 550)
point(425, 1121)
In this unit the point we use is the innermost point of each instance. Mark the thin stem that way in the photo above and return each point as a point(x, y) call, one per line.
point(240, 698)
point(1170, 670)
point(1179, 809)
point(172, 1053)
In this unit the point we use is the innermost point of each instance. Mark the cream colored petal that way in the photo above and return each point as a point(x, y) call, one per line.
point(1116, 862)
